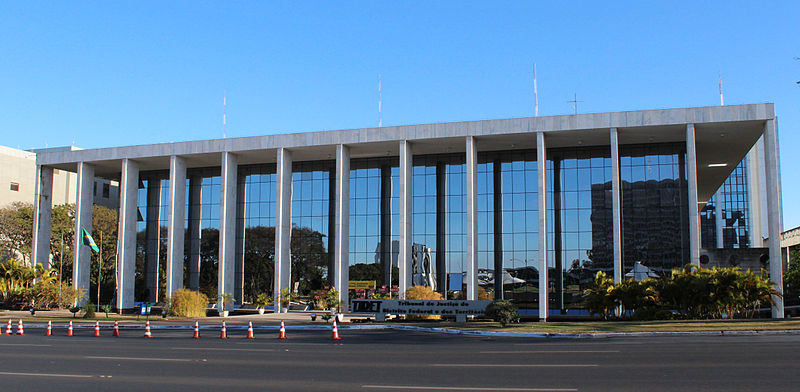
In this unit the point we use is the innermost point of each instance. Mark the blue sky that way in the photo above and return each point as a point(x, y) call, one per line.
point(98, 74)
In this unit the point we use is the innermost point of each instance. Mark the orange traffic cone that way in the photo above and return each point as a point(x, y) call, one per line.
point(97, 329)
point(69, 330)
point(335, 332)
point(19, 328)
point(147, 333)
point(223, 333)
point(116, 329)
point(283, 332)
point(8, 328)
point(196, 330)
point(250, 334)
point(49, 329)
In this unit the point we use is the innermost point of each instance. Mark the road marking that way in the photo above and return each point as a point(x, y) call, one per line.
point(222, 349)
point(26, 344)
point(147, 359)
point(48, 375)
point(441, 388)
point(502, 365)
point(552, 352)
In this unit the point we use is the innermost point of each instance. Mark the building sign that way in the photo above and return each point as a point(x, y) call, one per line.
point(362, 284)
point(456, 308)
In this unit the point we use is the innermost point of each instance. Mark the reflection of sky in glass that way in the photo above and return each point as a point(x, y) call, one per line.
point(485, 207)
point(209, 202)
point(654, 202)
point(365, 215)
point(456, 218)
point(260, 195)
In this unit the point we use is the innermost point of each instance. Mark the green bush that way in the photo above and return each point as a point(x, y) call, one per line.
point(503, 312)
point(263, 300)
point(88, 310)
point(107, 308)
point(688, 293)
point(188, 303)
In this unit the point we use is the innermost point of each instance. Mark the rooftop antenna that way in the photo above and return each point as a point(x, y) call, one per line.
point(721, 97)
point(224, 106)
point(380, 97)
point(535, 93)
point(574, 103)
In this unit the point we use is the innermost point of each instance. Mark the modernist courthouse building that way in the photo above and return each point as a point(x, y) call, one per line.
point(527, 209)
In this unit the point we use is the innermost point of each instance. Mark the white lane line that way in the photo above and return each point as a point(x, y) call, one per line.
point(147, 359)
point(443, 388)
point(26, 344)
point(48, 375)
point(503, 365)
point(552, 352)
point(222, 349)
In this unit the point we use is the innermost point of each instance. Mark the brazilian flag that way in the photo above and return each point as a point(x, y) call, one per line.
point(88, 240)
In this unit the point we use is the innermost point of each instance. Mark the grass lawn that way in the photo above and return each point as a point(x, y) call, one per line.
point(639, 326)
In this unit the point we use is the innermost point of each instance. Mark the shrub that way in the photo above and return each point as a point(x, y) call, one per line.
point(503, 312)
point(74, 310)
point(263, 300)
point(423, 293)
point(188, 303)
point(598, 296)
point(88, 310)
point(331, 299)
point(107, 308)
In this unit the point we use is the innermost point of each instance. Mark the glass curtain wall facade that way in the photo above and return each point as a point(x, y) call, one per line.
point(439, 220)
point(312, 194)
point(371, 221)
point(258, 252)
point(515, 175)
point(579, 219)
point(732, 202)
point(654, 206)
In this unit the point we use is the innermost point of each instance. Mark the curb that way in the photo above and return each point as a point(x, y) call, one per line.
point(448, 331)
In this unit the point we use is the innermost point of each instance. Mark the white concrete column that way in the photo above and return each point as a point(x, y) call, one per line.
point(227, 226)
point(472, 219)
point(754, 182)
point(42, 211)
point(541, 161)
point(341, 237)
point(126, 234)
point(84, 202)
point(195, 229)
point(774, 211)
point(176, 224)
point(405, 216)
point(694, 217)
point(616, 206)
point(153, 247)
point(283, 224)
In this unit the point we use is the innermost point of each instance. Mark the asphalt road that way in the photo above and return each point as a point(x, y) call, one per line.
point(394, 361)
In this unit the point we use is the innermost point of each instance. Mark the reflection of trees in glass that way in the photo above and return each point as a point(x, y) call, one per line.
point(309, 259)
point(209, 261)
point(259, 261)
